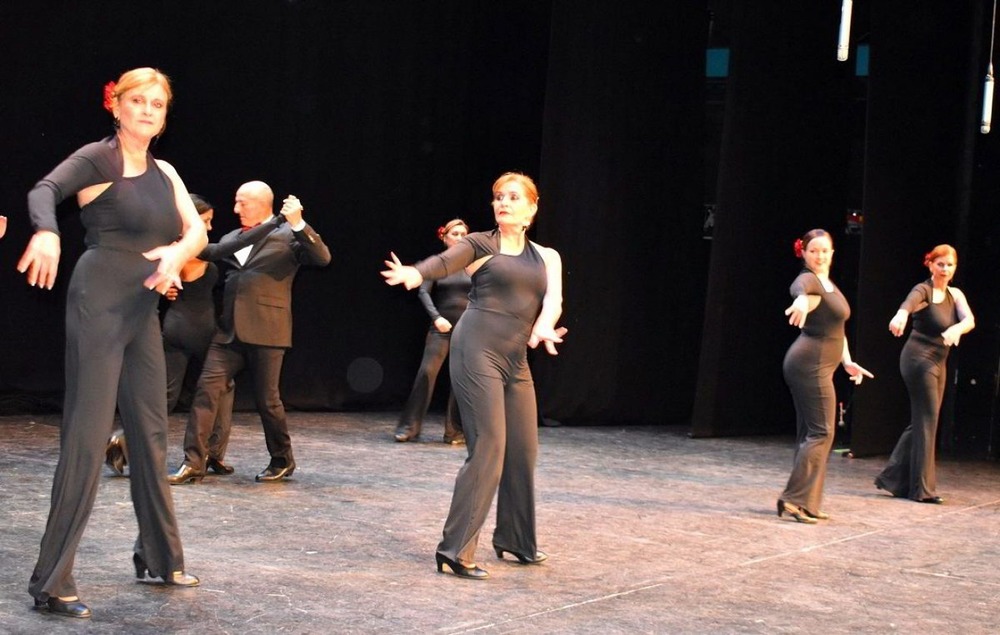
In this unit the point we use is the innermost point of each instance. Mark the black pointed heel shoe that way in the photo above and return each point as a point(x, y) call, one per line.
point(540, 556)
point(460, 570)
point(933, 500)
point(795, 512)
point(176, 578)
point(405, 433)
point(66, 608)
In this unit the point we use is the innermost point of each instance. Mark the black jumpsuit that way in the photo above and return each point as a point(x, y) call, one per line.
point(923, 365)
point(188, 326)
point(113, 348)
point(495, 392)
point(445, 298)
point(808, 368)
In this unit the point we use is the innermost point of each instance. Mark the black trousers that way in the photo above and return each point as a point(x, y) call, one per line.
point(99, 353)
point(222, 363)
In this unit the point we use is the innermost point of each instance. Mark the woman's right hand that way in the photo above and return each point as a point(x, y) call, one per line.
point(398, 273)
point(41, 259)
point(797, 311)
point(442, 325)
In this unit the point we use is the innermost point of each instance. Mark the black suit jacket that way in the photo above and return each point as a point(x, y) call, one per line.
point(257, 296)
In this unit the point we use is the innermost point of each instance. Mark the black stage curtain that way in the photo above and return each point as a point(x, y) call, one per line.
point(785, 167)
point(622, 193)
point(387, 118)
point(927, 65)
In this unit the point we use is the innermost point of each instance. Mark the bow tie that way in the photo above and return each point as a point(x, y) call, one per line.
point(248, 227)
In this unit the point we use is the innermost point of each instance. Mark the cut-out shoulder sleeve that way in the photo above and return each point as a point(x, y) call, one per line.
point(916, 299)
point(460, 255)
point(94, 163)
point(806, 284)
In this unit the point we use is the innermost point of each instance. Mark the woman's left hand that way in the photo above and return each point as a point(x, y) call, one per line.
point(952, 336)
point(550, 336)
point(168, 270)
point(857, 372)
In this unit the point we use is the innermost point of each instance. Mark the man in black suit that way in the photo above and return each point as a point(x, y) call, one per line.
point(255, 329)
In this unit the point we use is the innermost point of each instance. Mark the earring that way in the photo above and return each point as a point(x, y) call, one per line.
point(117, 123)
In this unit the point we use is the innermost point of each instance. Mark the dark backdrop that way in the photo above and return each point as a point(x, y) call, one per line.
point(387, 118)
point(805, 139)
point(785, 168)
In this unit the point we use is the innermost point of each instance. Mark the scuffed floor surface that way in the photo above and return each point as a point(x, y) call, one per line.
point(648, 531)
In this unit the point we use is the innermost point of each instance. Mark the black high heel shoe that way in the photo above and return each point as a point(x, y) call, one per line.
point(797, 513)
point(406, 433)
point(175, 578)
point(460, 570)
point(540, 556)
point(66, 608)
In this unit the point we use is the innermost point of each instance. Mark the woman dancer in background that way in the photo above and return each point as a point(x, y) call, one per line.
point(808, 368)
point(941, 316)
point(445, 301)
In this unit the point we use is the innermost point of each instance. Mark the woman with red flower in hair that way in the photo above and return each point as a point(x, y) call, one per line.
point(133, 207)
point(941, 316)
point(445, 301)
point(808, 368)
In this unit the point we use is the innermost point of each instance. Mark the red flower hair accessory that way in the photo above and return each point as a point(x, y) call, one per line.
point(109, 96)
point(441, 232)
point(797, 245)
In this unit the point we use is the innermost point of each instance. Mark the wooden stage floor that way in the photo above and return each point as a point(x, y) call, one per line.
point(648, 531)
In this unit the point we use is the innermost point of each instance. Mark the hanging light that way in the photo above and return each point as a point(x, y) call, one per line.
point(987, 120)
point(844, 38)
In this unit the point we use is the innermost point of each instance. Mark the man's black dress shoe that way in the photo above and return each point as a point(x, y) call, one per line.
point(540, 556)
point(66, 608)
point(220, 468)
point(185, 474)
point(272, 473)
point(176, 578)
